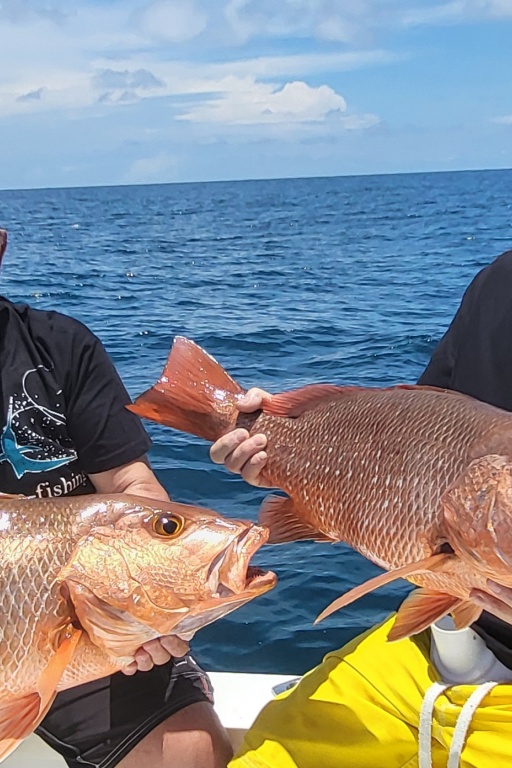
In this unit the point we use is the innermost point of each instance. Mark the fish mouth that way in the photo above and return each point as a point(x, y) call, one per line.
point(231, 576)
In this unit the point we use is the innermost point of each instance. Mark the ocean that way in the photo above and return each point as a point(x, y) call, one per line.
point(350, 280)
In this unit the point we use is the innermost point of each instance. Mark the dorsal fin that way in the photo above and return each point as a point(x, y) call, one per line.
point(427, 388)
point(298, 401)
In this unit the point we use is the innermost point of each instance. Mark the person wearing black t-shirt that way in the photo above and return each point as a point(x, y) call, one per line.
point(474, 357)
point(64, 429)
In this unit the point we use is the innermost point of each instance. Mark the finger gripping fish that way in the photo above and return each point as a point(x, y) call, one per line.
point(86, 580)
point(417, 479)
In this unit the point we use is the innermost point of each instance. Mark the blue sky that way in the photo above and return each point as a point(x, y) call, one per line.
point(126, 91)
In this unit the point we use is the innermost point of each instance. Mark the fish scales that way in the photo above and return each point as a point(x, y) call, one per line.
point(32, 553)
point(417, 479)
point(347, 465)
point(86, 580)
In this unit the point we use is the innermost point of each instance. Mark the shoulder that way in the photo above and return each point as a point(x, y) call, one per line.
point(58, 323)
point(61, 335)
point(496, 275)
point(60, 341)
point(40, 321)
point(47, 329)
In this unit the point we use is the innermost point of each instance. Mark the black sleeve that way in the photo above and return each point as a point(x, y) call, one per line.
point(475, 354)
point(106, 435)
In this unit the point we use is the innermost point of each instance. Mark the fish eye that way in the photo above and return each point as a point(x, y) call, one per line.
point(167, 525)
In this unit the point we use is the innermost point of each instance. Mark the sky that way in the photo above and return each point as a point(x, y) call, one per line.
point(97, 92)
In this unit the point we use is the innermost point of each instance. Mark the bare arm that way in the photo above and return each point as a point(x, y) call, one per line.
point(138, 478)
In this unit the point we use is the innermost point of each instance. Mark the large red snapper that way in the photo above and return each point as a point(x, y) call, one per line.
point(417, 479)
point(86, 580)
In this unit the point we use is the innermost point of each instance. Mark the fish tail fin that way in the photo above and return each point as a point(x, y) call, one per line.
point(194, 394)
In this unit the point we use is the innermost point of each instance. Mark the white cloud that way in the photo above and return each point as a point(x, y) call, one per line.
point(115, 79)
point(82, 81)
point(31, 95)
point(487, 8)
point(304, 64)
point(151, 169)
point(21, 10)
point(457, 11)
point(127, 80)
point(174, 20)
point(349, 21)
point(340, 20)
point(254, 103)
point(123, 86)
point(295, 103)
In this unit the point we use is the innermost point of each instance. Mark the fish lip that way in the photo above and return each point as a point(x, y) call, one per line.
point(231, 570)
point(258, 579)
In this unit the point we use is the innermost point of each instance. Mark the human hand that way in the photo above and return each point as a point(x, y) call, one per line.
point(156, 652)
point(498, 603)
point(239, 452)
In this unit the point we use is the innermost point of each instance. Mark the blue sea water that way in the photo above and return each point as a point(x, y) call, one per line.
point(286, 282)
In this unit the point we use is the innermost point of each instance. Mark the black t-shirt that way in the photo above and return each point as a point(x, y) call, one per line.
point(63, 414)
point(475, 357)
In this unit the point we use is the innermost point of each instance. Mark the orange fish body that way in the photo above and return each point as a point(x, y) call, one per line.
point(409, 476)
point(86, 580)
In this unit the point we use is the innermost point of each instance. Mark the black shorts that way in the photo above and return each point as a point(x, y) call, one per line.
point(98, 723)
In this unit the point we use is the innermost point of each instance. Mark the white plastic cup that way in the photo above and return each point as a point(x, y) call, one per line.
point(461, 656)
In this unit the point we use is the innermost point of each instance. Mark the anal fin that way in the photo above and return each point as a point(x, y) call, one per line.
point(432, 563)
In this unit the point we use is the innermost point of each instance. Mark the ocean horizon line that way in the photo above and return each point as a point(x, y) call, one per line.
point(192, 182)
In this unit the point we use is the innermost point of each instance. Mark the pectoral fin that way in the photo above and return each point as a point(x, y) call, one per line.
point(278, 513)
point(433, 563)
point(20, 717)
point(419, 610)
point(422, 608)
point(465, 614)
point(17, 720)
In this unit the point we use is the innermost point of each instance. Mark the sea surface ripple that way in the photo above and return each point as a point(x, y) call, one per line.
point(349, 280)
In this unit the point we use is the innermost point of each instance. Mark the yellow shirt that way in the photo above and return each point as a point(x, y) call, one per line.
point(360, 708)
